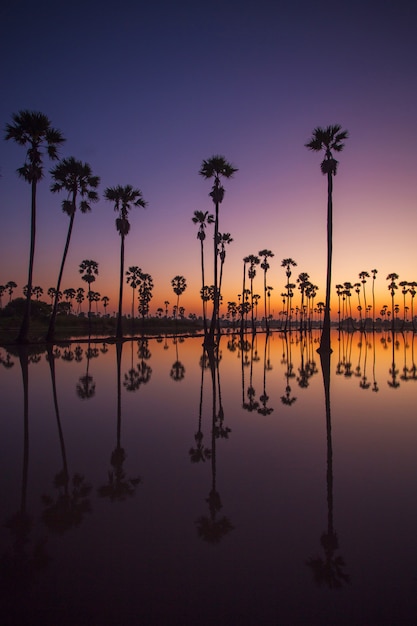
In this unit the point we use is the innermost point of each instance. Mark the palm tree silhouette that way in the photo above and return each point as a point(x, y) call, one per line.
point(133, 278)
point(179, 285)
point(124, 199)
point(11, 286)
point(33, 129)
point(89, 271)
point(329, 139)
point(253, 261)
point(265, 254)
point(119, 486)
point(392, 288)
point(203, 219)
point(223, 239)
point(77, 180)
point(288, 263)
point(330, 570)
point(216, 167)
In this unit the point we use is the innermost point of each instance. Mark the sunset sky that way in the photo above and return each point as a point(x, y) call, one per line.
point(145, 91)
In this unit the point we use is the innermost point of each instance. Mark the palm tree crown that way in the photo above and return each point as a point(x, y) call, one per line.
point(329, 139)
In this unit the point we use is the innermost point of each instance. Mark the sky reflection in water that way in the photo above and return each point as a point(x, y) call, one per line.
point(121, 503)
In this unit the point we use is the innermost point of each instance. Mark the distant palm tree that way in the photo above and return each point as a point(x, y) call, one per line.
point(253, 261)
point(374, 273)
point(37, 292)
point(265, 254)
point(89, 271)
point(223, 239)
point(288, 263)
point(133, 278)
point(79, 298)
point(145, 294)
point(10, 286)
point(70, 294)
point(2, 290)
point(392, 287)
point(77, 180)
point(330, 140)
point(216, 167)
point(105, 301)
point(33, 129)
point(124, 198)
point(179, 285)
point(202, 219)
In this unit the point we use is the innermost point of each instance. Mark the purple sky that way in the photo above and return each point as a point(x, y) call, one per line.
point(145, 91)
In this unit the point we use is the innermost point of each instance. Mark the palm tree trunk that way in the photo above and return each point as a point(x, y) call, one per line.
point(215, 295)
point(119, 331)
point(203, 289)
point(51, 329)
point(325, 345)
point(24, 328)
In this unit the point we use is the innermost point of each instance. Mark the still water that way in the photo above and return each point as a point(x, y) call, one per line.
point(144, 485)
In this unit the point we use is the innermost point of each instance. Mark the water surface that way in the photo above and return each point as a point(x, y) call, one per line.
point(143, 485)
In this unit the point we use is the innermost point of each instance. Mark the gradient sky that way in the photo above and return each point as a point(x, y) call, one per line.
point(145, 91)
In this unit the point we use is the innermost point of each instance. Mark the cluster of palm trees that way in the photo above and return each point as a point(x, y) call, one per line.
point(367, 312)
point(34, 131)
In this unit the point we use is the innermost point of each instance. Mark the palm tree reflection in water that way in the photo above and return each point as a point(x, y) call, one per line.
point(71, 503)
point(18, 566)
point(119, 486)
point(328, 570)
point(212, 528)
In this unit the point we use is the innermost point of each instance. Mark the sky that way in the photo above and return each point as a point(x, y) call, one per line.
point(144, 92)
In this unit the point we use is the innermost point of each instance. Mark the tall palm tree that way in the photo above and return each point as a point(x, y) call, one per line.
point(265, 254)
point(89, 271)
point(216, 167)
point(374, 273)
point(124, 199)
point(329, 140)
point(77, 180)
point(202, 219)
point(33, 129)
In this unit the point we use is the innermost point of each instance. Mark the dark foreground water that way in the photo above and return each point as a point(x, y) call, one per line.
point(146, 486)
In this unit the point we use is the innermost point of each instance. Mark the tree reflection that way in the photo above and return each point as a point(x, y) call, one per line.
point(141, 374)
point(177, 372)
point(20, 566)
point(86, 387)
point(213, 527)
point(328, 570)
point(119, 486)
point(288, 399)
point(264, 409)
point(200, 452)
point(71, 502)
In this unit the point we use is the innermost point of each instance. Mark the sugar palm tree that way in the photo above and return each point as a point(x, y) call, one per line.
point(202, 219)
point(392, 287)
point(77, 180)
point(288, 263)
point(89, 271)
point(33, 129)
point(133, 278)
point(265, 254)
point(217, 168)
point(329, 140)
point(124, 198)
point(179, 285)
point(11, 286)
point(253, 261)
